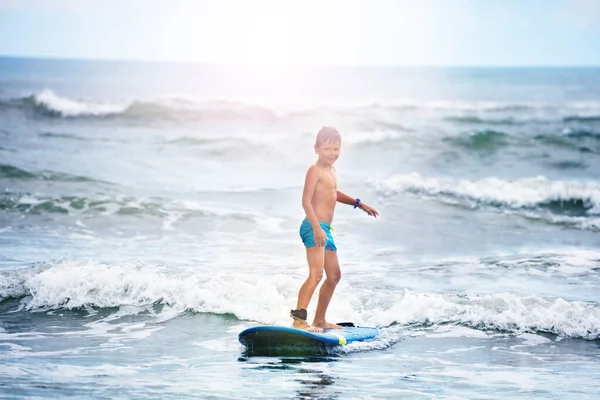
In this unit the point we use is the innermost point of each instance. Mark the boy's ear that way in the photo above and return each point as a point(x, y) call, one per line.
point(316, 149)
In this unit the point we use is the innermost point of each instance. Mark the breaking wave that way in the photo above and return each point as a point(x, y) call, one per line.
point(12, 172)
point(571, 202)
point(73, 285)
point(48, 104)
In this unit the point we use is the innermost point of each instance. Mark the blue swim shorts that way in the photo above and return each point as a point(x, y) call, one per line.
point(308, 236)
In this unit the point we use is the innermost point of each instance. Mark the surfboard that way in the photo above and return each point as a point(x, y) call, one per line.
point(275, 336)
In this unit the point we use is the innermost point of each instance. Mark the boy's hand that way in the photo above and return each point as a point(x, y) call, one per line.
point(368, 209)
point(320, 237)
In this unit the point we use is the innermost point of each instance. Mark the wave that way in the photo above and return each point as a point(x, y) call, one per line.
point(26, 203)
point(533, 118)
point(48, 104)
point(74, 285)
point(570, 202)
point(478, 120)
point(580, 109)
point(180, 107)
point(567, 164)
point(577, 139)
point(582, 134)
point(102, 206)
point(238, 146)
point(193, 141)
point(56, 135)
point(580, 141)
point(12, 172)
point(481, 140)
point(578, 118)
point(497, 312)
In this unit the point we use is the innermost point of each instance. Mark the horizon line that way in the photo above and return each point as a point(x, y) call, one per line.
point(269, 64)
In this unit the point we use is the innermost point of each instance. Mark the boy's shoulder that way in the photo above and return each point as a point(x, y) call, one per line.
point(313, 168)
point(314, 172)
point(316, 169)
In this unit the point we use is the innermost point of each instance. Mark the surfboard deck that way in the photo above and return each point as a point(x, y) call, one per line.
point(275, 336)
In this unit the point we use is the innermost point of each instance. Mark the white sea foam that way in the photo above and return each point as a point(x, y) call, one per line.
point(525, 195)
point(503, 311)
point(72, 108)
point(514, 193)
point(185, 105)
point(267, 299)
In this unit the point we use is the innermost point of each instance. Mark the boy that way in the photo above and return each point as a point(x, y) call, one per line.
point(318, 200)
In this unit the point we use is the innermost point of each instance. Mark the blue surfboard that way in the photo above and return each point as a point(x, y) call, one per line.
point(274, 336)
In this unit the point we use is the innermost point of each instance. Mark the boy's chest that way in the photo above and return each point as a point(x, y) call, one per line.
point(328, 181)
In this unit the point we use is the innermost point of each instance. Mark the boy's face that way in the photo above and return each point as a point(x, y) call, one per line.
point(328, 152)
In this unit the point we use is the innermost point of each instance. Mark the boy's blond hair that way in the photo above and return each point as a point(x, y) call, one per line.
point(328, 134)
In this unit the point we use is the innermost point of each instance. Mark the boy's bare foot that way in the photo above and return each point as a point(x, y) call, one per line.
point(327, 325)
point(299, 324)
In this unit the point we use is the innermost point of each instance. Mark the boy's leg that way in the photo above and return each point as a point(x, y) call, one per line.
point(315, 256)
point(332, 270)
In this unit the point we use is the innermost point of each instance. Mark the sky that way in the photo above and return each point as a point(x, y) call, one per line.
point(308, 32)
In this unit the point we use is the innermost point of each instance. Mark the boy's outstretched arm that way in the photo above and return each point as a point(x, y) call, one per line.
point(345, 199)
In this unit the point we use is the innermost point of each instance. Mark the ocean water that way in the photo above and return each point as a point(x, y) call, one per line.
point(149, 212)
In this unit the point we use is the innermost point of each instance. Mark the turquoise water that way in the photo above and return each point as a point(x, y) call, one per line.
point(150, 212)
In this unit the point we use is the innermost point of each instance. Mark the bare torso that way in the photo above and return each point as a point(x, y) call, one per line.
point(325, 195)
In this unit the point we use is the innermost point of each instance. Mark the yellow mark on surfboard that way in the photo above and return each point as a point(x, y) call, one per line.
point(342, 339)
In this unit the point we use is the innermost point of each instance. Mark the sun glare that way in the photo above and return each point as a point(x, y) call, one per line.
point(271, 32)
point(281, 32)
point(258, 32)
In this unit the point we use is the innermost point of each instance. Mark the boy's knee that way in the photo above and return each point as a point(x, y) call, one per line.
point(316, 277)
point(335, 278)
